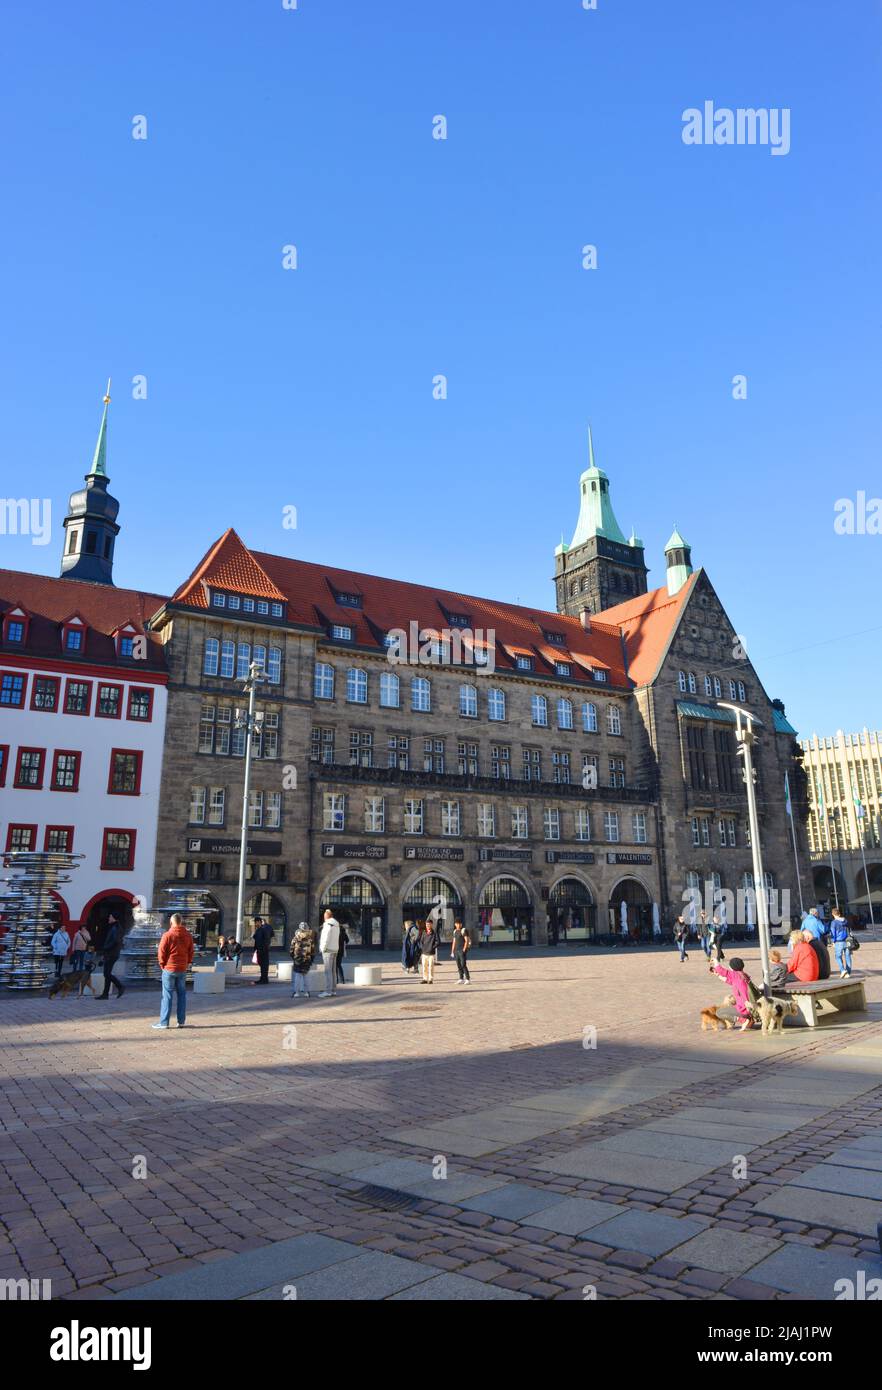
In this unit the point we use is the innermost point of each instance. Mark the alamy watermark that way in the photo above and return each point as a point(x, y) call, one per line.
point(456, 646)
point(745, 125)
point(735, 909)
point(860, 516)
point(27, 516)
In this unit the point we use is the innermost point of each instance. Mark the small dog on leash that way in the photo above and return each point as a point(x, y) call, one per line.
point(74, 980)
point(773, 1012)
point(711, 1019)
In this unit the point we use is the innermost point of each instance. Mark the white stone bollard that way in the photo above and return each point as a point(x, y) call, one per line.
point(284, 970)
point(209, 982)
point(367, 975)
point(225, 967)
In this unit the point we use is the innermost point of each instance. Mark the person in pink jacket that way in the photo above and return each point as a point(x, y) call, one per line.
point(739, 983)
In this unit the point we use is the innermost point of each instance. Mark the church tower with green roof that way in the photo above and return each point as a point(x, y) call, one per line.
point(90, 528)
point(599, 568)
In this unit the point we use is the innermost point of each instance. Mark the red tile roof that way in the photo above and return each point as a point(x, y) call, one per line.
point(648, 623)
point(104, 608)
point(228, 565)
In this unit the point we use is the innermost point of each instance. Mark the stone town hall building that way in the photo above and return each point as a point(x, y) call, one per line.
point(534, 769)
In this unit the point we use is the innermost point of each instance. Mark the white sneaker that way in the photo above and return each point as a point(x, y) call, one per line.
point(325, 994)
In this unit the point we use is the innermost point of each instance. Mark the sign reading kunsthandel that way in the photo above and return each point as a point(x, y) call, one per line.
point(202, 844)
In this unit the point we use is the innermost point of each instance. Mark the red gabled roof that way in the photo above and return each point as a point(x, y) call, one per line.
point(102, 607)
point(647, 623)
point(228, 565)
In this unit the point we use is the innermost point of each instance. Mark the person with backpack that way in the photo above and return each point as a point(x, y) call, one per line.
point(111, 946)
point(842, 943)
point(302, 950)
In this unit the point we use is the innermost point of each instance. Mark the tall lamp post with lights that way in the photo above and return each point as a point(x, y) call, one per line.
point(252, 723)
point(745, 736)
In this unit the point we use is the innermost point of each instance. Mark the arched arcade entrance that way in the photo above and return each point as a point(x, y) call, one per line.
point(630, 894)
point(572, 912)
point(360, 907)
point(436, 898)
point(505, 912)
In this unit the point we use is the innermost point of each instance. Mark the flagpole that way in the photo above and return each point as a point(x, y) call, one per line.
point(823, 817)
point(789, 805)
point(860, 817)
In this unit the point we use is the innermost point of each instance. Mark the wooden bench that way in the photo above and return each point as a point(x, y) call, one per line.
point(820, 998)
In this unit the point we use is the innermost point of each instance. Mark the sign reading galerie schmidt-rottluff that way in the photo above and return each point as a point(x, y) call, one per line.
point(201, 845)
point(333, 851)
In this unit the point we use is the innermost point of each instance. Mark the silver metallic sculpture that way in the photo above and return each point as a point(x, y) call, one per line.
point(28, 911)
point(139, 951)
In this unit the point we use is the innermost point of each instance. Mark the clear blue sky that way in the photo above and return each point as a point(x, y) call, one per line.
point(313, 387)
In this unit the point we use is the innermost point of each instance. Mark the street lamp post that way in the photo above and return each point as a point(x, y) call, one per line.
point(745, 737)
point(251, 723)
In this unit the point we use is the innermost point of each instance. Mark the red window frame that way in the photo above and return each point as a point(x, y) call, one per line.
point(108, 685)
point(69, 831)
point(67, 753)
point(11, 616)
point(118, 830)
point(140, 690)
point(56, 681)
point(24, 688)
point(128, 752)
point(4, 762)
point(75, 680)
point(74, 627)
point(29, 786)
point(19, 826)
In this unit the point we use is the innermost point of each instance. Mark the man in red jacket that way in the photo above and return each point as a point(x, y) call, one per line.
point(175, 954)
point(803, 961)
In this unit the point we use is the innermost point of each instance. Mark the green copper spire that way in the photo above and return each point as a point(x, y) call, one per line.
point(678, 555)
point(676, 542)
point(99, 461)
point(596, 516)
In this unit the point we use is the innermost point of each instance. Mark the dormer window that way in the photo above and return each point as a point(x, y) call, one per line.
point(248, 605)
point(458, 620)
point(563, 668)
point(262, 606)
point(15, 631)
point(524, 663)
point(557, 638)
point(344, 597)
point(276, 610)
point(340, 633)
point(218, 600)
point(599, 675)
point(126, 646)
point(73, 640)
point(15, 626)
point(233, 601)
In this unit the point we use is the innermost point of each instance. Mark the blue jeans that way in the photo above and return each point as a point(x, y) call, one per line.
point(173, 982)
point(843, 954)
point(681, 947)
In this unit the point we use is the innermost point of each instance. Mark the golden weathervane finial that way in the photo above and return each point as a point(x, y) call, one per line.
point(107, 394)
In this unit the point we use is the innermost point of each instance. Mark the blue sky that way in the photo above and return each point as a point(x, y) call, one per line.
point(268, 388)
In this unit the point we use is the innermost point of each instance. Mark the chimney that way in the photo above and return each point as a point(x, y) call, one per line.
point(585, 617)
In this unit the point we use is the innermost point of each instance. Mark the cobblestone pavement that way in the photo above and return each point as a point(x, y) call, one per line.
point(662, 1163)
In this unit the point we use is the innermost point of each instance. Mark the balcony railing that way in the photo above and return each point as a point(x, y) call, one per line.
point(455, 781)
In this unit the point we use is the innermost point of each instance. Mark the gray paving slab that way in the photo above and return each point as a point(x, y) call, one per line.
point(649, 1232)
point(726, 1252)
point(513, 1201)
point(872, 1141)
point(584, 1104)
point(369, 1276)
point(573, 1216)
point(629, 1170)
point(408, 1175)
point(710, 1152)
point(512, 1124)
point(345, 1160)
point(239, 1275)
point(853, 1157)
point(831, 1209)
point(441, 1141)
point(395, 1172)
point(812, 1273)
point(447, 1288)
point(857, 1182)
point(733, 1133)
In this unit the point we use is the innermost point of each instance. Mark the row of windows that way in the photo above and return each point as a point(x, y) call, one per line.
point(233, 660)
point(218, 733)
point(46, 696)
point(729, 773)
point(486, 820)
point(727, 831)
point(237, 603)
point(208, 806)
point(212, 871)
point(124, 777)
point(421, 699)
point(713, 686)
point(117, 846)
point(694, 879)
point(403, 752)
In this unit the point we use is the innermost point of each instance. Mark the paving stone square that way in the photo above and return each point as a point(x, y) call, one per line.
point(813, 1273)
point(650, 1232)
point(727, 1252)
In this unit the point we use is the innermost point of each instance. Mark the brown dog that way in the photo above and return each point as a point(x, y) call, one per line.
point(710, 1019)
point(74, 980)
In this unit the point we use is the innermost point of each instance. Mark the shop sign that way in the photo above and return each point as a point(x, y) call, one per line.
point(626, 858)
point(336, 851)
point(524, 855)
point(447, 852)
point(569, 856)
point(201, 844)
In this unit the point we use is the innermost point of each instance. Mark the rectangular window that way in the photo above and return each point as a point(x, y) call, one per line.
point(21, 837)
point(210, 656)
point(539, 711)
point(334, 811)
point(413, 816)
point(731, 832)
point(118, 851)
point(696, 756)
point(233, 601)
point(450, 820)
point(243, 661)
point(248, 605)
point(611, 826)
point(468, 702)
point(500, 761)
point(520, 823)
point(217, 805)
point(361, 748)
point(321, 746)
point(125, 772)
point(496, 704)
point(65, 771)
point(705, 830)
point(551, 823)
point(228, 659)
point(420, 694)
point(44, 693)
point(638, 825)
point(4, 762)
point(560, 767)
point(721, 829)
point(265, 742)
point(389, 691)
point(272, 808)
point(29, 773)
point(341, 633)
point(197, 805)
point(726, 760)
point(356, 686)
point(109, 704)
point(583, 825)
point(274, 666)
point(398, 752)
point(589, 718)
point(433, 755)
point(59, 838)
point(696, 832)
point(258, 656)
point(262, 606)
point(532, 765)
point(467, 758)
point(12, 691)
point(486, 820)
point(617, 772)
point(374, 815)
point(614, 720)
point(140, 704)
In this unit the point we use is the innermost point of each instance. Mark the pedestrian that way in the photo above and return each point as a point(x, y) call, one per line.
point(82, 947)
point(111, 945)
point(812, 922)
point(175, 956)
point(263, 935)
point(459, 948)
point(409, 952)
point(235, 949)
point(819, 946)
point(428, 948)
point(703, 934)
point(60, 947)
point(681, 936)
point(329, 945)
point(777, 972)
point(840, 934)
point(485, 929)
point(803, 965)
point(302, 951)
point(742, 989)
point(715, 939)
point(341, 951)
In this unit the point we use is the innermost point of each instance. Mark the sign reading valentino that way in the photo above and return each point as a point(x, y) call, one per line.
point(334, 851)
point(432, 852)
point(625, 858)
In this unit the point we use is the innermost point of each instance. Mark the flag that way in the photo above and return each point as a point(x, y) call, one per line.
point(820, 794)
point(787, 802)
